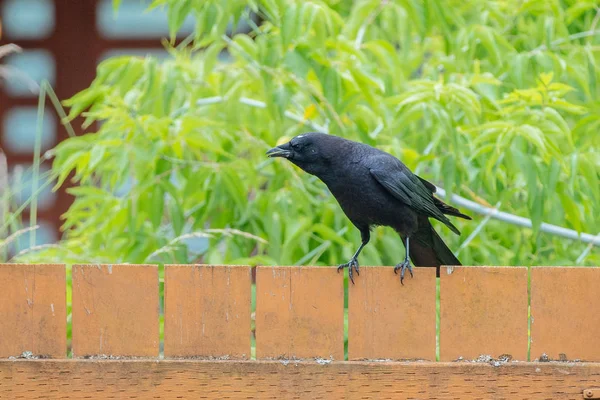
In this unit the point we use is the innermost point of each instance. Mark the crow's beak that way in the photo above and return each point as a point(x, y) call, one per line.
point(279, 151)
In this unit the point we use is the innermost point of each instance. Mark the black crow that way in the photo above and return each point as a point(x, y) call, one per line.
point(375, 188)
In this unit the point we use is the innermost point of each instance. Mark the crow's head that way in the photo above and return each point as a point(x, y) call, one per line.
point(310, 151)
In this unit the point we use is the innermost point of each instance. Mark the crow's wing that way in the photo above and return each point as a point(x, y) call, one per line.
point(427, 184)
point(407, 187)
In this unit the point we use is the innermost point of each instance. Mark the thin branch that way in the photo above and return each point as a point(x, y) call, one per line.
point(37, 149)
point(236, 232)
point(595, 21)
point(8, 72)
point(277, 73)
point(4, 188)
point(377, 130)
point(10, 218)
point(9, 48)
point(14, 236)
point(287, 114)
point(579, 35)
point(363, 29)
point(58, 108)
point(34, 249)
point(261, 104)
point(588, 249)
point(491, 213)
point(209, 100)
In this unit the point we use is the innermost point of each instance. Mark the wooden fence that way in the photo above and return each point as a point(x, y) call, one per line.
point(491, 322)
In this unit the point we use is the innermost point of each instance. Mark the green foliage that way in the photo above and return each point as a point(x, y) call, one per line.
point(13, 186)
point(497, 101)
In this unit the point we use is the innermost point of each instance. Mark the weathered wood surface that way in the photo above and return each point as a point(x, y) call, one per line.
point(565, 313)
point(115, 310)
point(483, 310)
point(207, 311)
point(194, 379)
point(299, 312)
point(389, 321)
point(33, 310)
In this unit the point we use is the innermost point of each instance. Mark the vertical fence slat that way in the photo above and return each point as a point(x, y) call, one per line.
point(207, 311)
point(483, 312)
point(299, 312)
point(115, 310)
point(565, 313)
point(33, 310)
point(389, 321)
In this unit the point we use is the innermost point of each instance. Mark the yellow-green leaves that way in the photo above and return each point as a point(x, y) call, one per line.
point(497, 101)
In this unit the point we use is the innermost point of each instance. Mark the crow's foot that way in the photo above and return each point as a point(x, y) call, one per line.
point(352, 264)
point(403, 266)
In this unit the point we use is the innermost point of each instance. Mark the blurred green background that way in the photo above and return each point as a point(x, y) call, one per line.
point(496, 101)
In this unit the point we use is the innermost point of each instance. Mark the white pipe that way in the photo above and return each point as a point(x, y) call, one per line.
point(520, 221)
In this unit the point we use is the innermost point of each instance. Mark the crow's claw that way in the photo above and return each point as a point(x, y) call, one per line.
point(351, 265)
point(403, 266)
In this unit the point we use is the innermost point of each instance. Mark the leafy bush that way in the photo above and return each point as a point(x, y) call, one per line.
point(496, 101)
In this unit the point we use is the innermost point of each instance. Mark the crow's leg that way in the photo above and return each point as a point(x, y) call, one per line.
point(365, 236)
point(404, 265)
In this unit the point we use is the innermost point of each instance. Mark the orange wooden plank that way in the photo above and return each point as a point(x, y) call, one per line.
point(33, 313)
point(389, 321)
point(199, 379)
point(483, 312)
point(299, 312)
point(565, 313)
point(207, 311)
point(115, 310)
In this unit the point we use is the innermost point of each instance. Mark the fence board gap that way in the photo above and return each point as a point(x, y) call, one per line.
point(483, 311)
point(253, 315)
point(69, 300)
point(387, 320)
point(161, 310)
point(33, 309)
point(299, 313)
point(565, 317)
point(207, 311)
point(115, 310)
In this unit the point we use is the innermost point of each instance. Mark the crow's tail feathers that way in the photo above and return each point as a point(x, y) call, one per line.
point(448, 209)
point(443, 253)
point(427, 249)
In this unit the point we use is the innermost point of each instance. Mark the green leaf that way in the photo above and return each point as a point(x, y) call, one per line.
point(536, 210)
point(96, 156)
point(591, 173)
point(176, 217)
point(449, 174)
point(246, 45)
point(156, 210)
point(570, 207)
point(177, 13)
point(289, 26)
